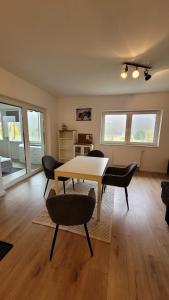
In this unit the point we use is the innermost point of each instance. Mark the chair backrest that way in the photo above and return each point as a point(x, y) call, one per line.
point(130, 169)
point(71, 209)
point(49, 164)
point(96, 153)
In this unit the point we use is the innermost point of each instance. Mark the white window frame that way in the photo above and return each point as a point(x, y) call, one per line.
point(129, 114)
point(1, 139)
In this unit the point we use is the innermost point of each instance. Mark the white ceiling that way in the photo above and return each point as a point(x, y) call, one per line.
point(77, 47)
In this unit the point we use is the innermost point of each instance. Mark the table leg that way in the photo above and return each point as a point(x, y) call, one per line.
point(99, 182)
point(55, 185)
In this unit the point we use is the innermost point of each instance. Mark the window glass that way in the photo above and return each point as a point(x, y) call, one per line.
point(143, 128)
point(115, 127)
point(34, 126)
point(14, 131)
point(131, 127)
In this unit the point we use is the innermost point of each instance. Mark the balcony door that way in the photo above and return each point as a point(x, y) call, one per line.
point(12, 144)
point(35, 121)
point(21, 141)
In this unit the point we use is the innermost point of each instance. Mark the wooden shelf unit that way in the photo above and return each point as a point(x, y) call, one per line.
point(66, 141)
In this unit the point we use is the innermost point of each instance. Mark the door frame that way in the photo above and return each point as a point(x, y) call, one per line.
point(24, 106)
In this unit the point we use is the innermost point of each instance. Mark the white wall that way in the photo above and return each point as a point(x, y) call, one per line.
point(17, 88)
point(153, 159)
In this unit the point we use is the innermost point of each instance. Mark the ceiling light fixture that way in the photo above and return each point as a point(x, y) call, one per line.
point(136, 71)
point(124, 72)
point(147, 75)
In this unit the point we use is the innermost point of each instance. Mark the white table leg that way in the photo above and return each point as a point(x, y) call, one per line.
point(99, 198)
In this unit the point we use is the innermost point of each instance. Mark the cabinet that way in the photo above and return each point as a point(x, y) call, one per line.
point(82, 149)
point(66, 141)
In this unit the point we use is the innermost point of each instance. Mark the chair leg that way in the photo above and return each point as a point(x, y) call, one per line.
point(105, 186)
point(102, 190)
point(64, 187)
point(46, 187)
point(126, 192)
point(73, 184)
point(88, 239)
point(54, 240)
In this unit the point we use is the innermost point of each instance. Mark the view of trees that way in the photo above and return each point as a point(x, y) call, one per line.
point(142, 127)
point(115, 128)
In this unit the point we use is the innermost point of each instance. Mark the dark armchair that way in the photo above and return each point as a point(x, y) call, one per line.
point(69, 210)
point(165, 198)
point(49, 164)
point(119, 176)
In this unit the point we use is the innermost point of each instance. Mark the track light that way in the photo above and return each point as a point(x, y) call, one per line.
point(124, 72)
point(147, 75)
point(136, 71)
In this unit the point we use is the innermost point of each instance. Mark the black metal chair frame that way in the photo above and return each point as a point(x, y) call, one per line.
point(64, 188)
point(119, 176)
point(70, 210)
point(49, 171)
point(55, 235)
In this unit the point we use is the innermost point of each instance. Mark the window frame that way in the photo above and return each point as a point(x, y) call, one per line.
point(129, 114)
point(1, 139)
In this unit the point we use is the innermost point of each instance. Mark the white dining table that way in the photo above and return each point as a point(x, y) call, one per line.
point(84, 167)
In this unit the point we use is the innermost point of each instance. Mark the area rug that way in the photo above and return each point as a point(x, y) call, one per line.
point(98, 230)
point(13, 170)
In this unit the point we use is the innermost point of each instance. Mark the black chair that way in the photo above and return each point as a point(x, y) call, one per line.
point(96, 153)
point(70, 210)
point(165, 198)
point(119, 176)
point(49, 164)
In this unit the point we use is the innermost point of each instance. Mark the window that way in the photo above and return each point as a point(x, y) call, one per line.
point(115, 127)
point(14, 131)
point(1, 130)
point(140, 128)
point(34, 127)
point(12, 127)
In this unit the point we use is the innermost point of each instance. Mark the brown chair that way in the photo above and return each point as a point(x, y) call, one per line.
point(49, 164)
point(119, 176)
point(70, 210)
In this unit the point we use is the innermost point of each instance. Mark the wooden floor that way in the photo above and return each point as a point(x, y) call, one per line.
point(134, 266)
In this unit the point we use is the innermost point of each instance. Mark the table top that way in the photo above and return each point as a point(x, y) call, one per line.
point(84, 165)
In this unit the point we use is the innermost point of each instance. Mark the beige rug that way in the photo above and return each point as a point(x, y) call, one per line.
point(97, 230)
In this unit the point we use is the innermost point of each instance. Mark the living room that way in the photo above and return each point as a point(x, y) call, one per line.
point(58, 58)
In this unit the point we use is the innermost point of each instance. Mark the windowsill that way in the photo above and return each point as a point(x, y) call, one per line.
point(130, 145)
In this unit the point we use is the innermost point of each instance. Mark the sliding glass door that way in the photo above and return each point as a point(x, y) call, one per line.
point(12, 146)
point(35, 138)
point(21, 141)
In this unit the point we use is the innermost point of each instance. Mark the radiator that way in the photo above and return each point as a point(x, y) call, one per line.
point(126, 156)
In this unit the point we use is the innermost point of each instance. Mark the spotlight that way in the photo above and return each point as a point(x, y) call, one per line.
point(136, 69)
point(135, 73)
point(124, 72)
point(147, 75)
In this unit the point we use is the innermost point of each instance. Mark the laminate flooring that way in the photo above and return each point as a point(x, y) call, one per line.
point(134, 266)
